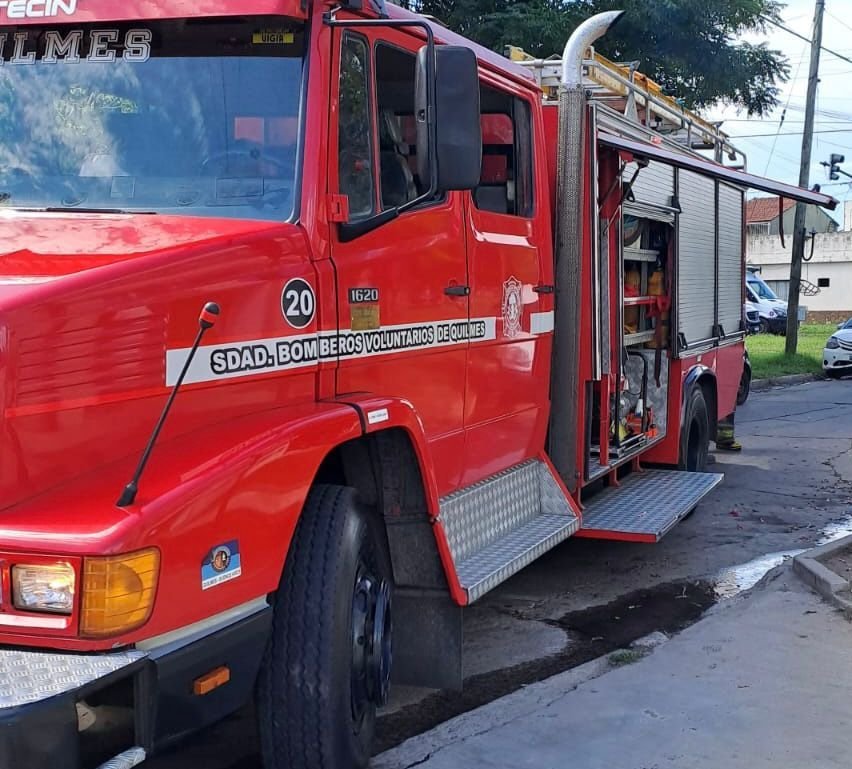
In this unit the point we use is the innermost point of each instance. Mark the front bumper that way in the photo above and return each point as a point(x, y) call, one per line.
point(777, 325)
point(39, 692)
point(147, 698)
point(837, 359)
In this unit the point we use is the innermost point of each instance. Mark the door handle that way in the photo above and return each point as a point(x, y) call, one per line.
point(544, 289)
point(457, 290)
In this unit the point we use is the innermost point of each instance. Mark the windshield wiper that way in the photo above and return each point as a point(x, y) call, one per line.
point(81, 210)
point(72, 209)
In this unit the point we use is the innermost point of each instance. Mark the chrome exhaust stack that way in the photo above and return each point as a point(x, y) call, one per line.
point(569, 212)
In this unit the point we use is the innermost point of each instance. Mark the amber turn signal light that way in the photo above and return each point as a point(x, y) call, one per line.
point(118, 592)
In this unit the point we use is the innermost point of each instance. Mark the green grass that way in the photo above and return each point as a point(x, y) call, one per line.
point(766, 352)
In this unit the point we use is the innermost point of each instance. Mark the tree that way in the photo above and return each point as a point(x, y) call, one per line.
point(690, 47)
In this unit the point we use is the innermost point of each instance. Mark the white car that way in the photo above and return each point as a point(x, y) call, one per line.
point(837, 355)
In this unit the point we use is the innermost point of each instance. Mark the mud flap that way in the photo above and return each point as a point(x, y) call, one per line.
point(427, 639)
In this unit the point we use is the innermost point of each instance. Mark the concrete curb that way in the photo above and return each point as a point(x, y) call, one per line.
point(782, 381)
point(823, 580)
point(418, 749)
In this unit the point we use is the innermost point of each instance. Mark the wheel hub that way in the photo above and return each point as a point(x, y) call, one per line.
point(371, 643)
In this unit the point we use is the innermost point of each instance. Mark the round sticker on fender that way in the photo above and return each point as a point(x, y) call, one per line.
point(298, 303)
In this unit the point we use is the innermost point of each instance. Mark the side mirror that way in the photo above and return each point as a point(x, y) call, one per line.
point(449, 132)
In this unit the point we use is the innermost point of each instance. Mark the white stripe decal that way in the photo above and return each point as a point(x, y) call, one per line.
point(541, 322)
point(263, 356)
point(190, 633)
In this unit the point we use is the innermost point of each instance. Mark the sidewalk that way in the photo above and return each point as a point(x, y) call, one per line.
point(764, 680)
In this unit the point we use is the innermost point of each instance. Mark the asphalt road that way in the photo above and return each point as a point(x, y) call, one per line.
point(790, 488)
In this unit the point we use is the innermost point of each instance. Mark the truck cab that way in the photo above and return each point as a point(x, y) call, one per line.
point(309, 337)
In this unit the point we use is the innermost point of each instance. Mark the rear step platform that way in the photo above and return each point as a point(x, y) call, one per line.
point(645, 505)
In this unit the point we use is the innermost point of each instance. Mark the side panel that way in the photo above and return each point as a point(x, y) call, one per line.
point(729, 287)
point(509, 256)
point(696, 257)
point(729, 369)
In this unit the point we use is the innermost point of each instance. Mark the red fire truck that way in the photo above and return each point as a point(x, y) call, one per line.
point(449, 305)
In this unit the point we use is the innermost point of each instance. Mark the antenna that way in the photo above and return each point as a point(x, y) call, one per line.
point(206, 320)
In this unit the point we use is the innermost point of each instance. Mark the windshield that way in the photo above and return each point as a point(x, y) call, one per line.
point(760, 288)
point(194, 118)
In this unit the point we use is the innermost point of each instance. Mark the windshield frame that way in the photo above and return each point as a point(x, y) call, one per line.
point(300, 97)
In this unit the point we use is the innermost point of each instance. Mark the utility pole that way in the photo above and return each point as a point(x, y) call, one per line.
point(804, 180)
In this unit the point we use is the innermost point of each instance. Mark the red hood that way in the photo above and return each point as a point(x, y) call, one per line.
point(90, 304)
point(40, 247)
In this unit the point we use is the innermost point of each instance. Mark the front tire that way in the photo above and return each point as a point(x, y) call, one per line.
point(695, 433)
point(327, 665)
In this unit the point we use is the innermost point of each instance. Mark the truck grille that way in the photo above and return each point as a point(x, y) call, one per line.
point(752, 316)
point(845, 345)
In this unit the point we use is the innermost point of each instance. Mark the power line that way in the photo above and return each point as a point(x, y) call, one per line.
point(838, 20)
point(792, 133)
point(778, 24)
point(781, 121)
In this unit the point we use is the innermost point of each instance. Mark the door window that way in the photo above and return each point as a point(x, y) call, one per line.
point(505, 185)
point(355, 146)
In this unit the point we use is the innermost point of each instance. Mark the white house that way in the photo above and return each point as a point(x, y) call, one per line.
point(826, 273)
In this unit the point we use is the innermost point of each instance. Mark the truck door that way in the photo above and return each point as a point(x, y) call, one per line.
point(401, 289)
point(508, 378)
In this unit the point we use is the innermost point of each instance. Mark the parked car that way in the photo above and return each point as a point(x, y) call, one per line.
point(772, 310)
point(837, 355)
point(752, 317)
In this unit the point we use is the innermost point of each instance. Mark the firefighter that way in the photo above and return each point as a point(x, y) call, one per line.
point(725, 440)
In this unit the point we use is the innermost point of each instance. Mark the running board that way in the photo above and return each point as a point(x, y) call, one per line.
point(645, 505)
point(500, 525)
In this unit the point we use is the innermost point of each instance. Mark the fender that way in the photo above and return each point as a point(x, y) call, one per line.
point(382, 413)
point(244, 481)
point(692, 376)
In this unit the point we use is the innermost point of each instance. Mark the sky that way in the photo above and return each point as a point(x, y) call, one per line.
point(773, 149)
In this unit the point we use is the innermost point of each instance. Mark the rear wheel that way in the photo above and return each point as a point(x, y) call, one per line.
point(695, 433)
point(745, 386)
point(327, 665)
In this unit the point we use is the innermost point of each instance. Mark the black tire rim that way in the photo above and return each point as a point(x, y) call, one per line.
point(371, 644)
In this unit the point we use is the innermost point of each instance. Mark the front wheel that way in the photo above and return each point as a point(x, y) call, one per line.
point(327, 665)
point(695, 433)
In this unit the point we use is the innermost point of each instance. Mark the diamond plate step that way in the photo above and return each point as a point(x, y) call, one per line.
point(30, 676)
point(127, 760)
point(498, 526)
point(646, 505)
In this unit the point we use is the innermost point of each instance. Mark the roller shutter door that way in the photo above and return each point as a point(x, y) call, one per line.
point(654, 185)
point(729, 285)
point(696, 279)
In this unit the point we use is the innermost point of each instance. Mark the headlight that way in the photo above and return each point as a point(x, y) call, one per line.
point(832, 344)
point(118, 592)
point(43, 588)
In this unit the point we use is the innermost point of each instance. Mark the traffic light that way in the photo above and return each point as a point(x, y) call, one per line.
point(833, 170)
